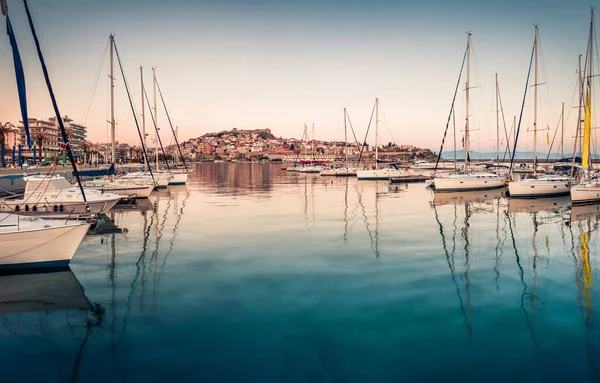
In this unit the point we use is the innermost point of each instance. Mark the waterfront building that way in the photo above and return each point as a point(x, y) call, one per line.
point(46, 133)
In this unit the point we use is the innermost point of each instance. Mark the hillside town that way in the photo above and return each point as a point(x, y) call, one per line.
point(232, 145)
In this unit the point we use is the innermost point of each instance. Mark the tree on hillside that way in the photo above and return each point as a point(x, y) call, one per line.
point(265, 135)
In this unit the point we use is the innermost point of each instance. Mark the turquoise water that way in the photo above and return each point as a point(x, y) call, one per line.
point(250, 274)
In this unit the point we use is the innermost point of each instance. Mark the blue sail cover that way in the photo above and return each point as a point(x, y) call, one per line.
point(20, 74)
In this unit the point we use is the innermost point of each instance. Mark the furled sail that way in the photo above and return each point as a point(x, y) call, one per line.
point(587, 132)
point(20, 75)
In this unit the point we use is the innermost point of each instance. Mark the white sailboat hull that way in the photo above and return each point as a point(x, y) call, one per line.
point(130, 192)
point(178, 178)
point(52, 246)
point(49, 206)
point(467, 183)
point(379, 174)
point(161, 179)
point(585, 193)
point(339, 172)
point(535, 188)
point(55, 195)
point(310, 169)
point(128, 189)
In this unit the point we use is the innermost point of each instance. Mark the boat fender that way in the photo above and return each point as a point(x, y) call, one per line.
point(17, 208)
point(55, 208)
point(26, 207)
point(34, 208)
point(61, 208)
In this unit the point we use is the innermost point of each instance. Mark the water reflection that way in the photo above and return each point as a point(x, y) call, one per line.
point(240, 178)
point(585, 212)
point(584, 227)
point(333, 267)
point(36, 303)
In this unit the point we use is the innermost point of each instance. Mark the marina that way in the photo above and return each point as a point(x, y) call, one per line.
point(232, 251)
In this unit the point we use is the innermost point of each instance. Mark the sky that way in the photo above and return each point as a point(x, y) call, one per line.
point(280, 64)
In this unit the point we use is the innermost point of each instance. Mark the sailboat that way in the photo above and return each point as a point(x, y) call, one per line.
point(536, 185)
point(56, 197)
point(379, 173)
point(343, 171)
point(27, 242)
point(467, 181)
point(163, 177)
point(178, 175)
point(130, 188)
point(588, 190)
point(33, 242)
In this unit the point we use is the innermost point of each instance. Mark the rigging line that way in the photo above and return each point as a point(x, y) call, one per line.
point(133, 110)
point(362, 148)
point(156, 130)
point(86, 112)
point(480, 92)
point(352, 129)
point(387, 123)
point(512, 158)
point(504, 123)
point(553, 138)
point(545, 76)
point(171, 125)
point(576, 87)
point(451, 111)
point(55, 105)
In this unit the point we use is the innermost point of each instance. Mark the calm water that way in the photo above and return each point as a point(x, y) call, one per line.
point(252, 274)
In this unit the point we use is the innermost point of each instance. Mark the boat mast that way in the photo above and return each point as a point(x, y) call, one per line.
point(155, 114)
point(313, 142)
point(112, 101)
point(578, 134)
point(454, 133)
point(497, 126)
point(535, 99)
point(591, 76)
point(143, 115)
point(376, 132)
point(345, 138)
point(514, 128)
point(467, 138)
point(562, 131)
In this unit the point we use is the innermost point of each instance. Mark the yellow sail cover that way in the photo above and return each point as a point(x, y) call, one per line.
point(587, 132)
